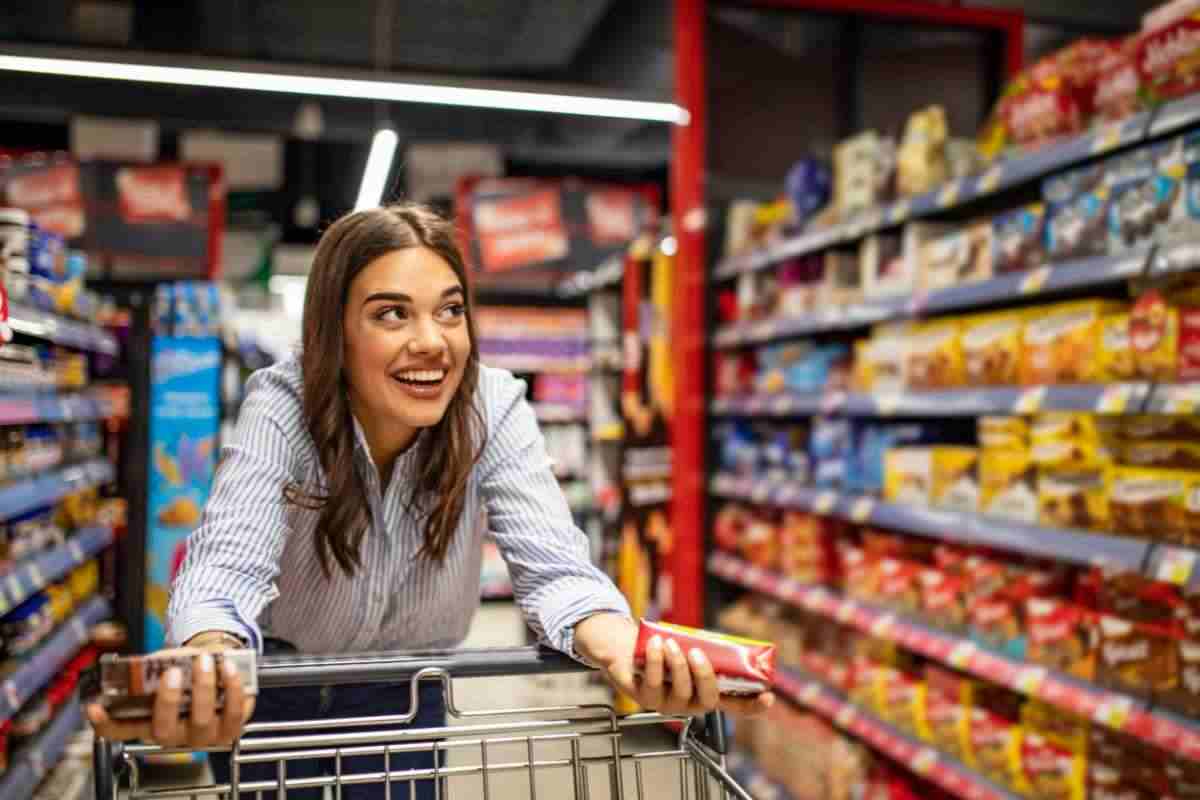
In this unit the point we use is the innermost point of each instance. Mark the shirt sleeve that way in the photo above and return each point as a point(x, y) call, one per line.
point(228, 576)
point(554, 581)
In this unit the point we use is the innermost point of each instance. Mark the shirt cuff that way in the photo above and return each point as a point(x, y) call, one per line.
point(213, 615)
point(564, 611)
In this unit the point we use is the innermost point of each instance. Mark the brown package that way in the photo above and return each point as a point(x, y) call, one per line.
point(1061, 637)
point(1134, 657)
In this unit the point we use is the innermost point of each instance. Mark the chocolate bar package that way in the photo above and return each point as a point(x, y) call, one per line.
point(128, 683)
point(743, 666)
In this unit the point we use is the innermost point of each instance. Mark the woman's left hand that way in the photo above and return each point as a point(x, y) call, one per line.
point(609, 641)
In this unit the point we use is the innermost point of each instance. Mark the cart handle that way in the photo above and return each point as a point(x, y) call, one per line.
point(290, 670)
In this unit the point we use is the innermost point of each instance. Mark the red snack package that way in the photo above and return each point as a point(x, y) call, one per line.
point(743, 666)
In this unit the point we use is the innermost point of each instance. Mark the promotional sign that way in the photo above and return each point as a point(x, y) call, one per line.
point(184, 421)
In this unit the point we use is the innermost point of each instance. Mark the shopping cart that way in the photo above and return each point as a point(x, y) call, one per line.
point(496, 754)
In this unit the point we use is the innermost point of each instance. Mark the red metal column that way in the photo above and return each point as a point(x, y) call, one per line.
point(688, 323)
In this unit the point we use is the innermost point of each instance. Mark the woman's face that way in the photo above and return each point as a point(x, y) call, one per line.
point(407, 343)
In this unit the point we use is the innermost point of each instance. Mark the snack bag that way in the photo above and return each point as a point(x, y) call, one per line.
point(128, 683)
point(743, 666)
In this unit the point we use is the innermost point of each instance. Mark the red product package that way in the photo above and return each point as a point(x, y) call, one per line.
point(1189, 344)
point(1167, 60)
point(743, 666)
point(1118, 86)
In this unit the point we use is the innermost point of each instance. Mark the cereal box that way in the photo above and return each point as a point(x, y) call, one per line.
point(882, 361)
point(991, 345)
point(1074, 498)
point(963, 256)
point(908, 475)
point(1008, 485)
point(1019, 239)
point(955, 479)
point(1114, 356)
point(942, 715)
point(935, 358)
point(1061, 342)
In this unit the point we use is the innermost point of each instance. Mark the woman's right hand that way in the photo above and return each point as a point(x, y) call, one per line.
point(204, 727)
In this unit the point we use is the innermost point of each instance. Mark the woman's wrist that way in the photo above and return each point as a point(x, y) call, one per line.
point(223, 640)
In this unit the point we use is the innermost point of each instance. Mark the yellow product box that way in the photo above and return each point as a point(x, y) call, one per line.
point(1002, 433)
point(1046, 770)
point(881, 362)
point(1160, 427)
point(1070, 453)
point(1114, 356)
point(961, 256)
point(1161, 454)
point(935, 356)
point(955, 479)
point(862, 376)
point(1156, 503)
point(991, 345)
point(1074, 498)
point(1008, 485)
point(908, 475)
point(1071, 426)
point(1062, 340)
point(1059, 726)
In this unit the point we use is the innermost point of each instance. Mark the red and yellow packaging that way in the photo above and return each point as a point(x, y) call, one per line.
point(1062, 341)
point(1168, 60)
point(942, 716)
point(743, 666)
point(993, 739)
point(1049, 771)
point(1060, 637)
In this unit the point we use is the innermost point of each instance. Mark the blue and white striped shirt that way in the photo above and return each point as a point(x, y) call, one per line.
point(251, 567)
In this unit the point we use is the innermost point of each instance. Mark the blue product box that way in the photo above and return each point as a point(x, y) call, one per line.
point(1183, 223)
point(1019, 239)
point(1144, 185)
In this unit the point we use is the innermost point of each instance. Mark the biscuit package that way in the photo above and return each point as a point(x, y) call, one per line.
point(1135, 657)
point(961, 256)
point(1061, 637)
point(128, 683)
point(1061, 342)
point(1114, 354)
point(935, 356)
point(1003, 433)
point(1156, 503)
point(1076, 498)
point(955, 472)
point(1019, 239)
point(908, 475)
point(1008, 485)
point(991, 346)
point(743, 666)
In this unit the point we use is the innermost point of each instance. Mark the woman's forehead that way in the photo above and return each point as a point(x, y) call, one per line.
point(417, 272)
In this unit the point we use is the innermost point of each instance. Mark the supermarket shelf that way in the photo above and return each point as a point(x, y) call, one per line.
point(1103, 398)
point(37, 670)
point(36, 573)
point(30, 408)
point(1112, 709)
point(33, 762)
point(902, 748)
point(1003, 175)
point(1064, 544)
point(38, 491)
point(747, 774)
point(60, 330)
point(1066, 276)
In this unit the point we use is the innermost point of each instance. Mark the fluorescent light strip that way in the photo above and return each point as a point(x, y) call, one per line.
point(379, 166)
point(397, 92)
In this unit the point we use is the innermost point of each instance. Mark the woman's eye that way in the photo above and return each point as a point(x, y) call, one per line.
point(393, 314)
point(454, 311)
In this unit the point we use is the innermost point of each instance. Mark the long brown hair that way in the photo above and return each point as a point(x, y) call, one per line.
point(446, 453)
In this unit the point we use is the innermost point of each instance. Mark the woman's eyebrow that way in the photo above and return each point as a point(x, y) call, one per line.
point(400, 297)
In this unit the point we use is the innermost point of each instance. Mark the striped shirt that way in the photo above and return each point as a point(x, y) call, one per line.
point(251, 567)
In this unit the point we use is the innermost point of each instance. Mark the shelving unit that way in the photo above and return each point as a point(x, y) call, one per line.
point(30, 408)
point(27, 494)
point(35, 761)
point(60, 330)
point(37, 572)
point(1121, 712)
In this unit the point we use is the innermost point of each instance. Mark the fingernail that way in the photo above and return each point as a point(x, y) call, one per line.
point(656, 642)
point(673, 646)
point(174, 678)
point(228, 668)
point(206, 663)
point(696, 655)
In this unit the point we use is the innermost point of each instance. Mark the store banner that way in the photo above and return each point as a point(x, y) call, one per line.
point(520, 230)
point(184, 423)
point(137, 221)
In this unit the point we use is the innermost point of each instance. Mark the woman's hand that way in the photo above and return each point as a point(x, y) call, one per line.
point(609, 640)
point(205, 726)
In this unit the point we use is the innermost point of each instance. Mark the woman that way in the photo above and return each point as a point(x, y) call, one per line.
point(346, 514)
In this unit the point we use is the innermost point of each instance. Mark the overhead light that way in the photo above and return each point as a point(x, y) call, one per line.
point(382, 90)
point(379, 166)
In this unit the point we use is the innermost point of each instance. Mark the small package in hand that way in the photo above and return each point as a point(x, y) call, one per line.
point(743, 666)
point(127, 684)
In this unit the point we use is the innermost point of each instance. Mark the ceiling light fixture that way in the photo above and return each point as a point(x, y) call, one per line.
point(379, 166)
point(380, 90)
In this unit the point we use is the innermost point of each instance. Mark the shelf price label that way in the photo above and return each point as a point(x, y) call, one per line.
point(1114, 712)
point(924, 761)
point(810, 693)
point(949, 193)
point(882, 627)
point(782, 404)
point(9, 690)
point(898, 212)
point(961, 655)
point(991, 179)
point(845, 612)
point(1030, 400)
point(825, 502)
point(36, 577)
point(1034, 280)
point(888, 402)
point(1181, 398)
point(1114, 398)
point(14, 586)
point(1030, 679)
point(846, 716)
point(1176, 566)
point(862, 509)
point(1107, 138)
point(761, 492)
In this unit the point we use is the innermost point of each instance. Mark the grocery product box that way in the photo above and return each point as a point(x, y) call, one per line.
point(993, 734)
point(955, 485)
point(1144, 184)
point(1167, 61)
point(1061, 636)
point(1183, 223)
point(1074, 498)
point(1118, 84)
point(908, 475)
point(1114, 353)
point(913, 239)
point(899, 585)
point(1049, 770)
point(943, 599)
point(1070, 426)
point(1156, 503)
point(991, 346)
point(1135, 657)
point(1008, 485)
point(1078, 229)
point(1185, 695)
point(995, 624)
point(1002, 433)
point(882, 361)
point(841, 284)
point(942, 711)
point(1019, 239)
point(1161, 454)
point(885, 270)
point(1154, 337)
point(1070, 454)
point(1160, 427)
point(962, 256)
point(1061, 342)
point(935, 357)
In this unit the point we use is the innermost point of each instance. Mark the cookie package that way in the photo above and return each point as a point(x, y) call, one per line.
point(743, 666)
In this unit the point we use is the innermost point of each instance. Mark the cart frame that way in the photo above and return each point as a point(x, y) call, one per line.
point(701, 744)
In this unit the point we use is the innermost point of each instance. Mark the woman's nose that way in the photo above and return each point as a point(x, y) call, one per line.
point(426, 337)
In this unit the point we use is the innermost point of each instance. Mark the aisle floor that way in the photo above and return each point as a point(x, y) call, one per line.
point(499, 625)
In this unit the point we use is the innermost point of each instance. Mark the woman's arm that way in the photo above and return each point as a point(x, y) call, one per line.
point(228, 576)
point(554, 580)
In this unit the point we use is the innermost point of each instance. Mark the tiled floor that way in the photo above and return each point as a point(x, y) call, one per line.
point(499, 625)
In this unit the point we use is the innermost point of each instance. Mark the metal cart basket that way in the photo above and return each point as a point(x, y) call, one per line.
point(497, 754)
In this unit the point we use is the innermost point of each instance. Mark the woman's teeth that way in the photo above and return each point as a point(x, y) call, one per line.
point(422, 376)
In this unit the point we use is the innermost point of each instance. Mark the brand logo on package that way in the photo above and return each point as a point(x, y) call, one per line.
point(171, 364)
point(153, 194)
point(52, 197)
point(612, 216)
